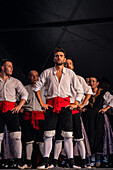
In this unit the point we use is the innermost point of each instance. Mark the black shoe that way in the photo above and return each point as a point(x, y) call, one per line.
point(13, 165)
point(20, 164)
point(45, 164)
point(3, 164)
point(63, 161)
point(98, 160)
point(25, 166)
point(53, 164)
point(17, 163)
point(6, 163)
point(92, 164)
point(72, 164)
point(105, 162)
point(84, 165)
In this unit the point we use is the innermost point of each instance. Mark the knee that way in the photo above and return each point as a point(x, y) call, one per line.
point(58, 141)
point(40, 143)
point(80, 139)
point(30, 142)
point(49, 133)
point(15, 135)
point(67, 134)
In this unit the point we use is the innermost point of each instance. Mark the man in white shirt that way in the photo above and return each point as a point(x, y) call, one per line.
point(58, 82)
point(9, 87)
point(77, 128)
point(78, 136)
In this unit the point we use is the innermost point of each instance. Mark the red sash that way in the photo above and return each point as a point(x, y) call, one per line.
point(34, 116)
point(6, 105)
point(75, 111)
point(59, 102)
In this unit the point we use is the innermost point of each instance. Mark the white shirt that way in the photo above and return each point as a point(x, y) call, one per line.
point(108, 100)
point(10, 88)
point(86, 89)
point(63, 88)
point(32, 103)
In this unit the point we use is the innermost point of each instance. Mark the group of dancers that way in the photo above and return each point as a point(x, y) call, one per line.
point(61, 113)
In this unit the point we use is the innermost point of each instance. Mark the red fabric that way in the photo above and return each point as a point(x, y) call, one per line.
point(27, 116)
point(58, 102)
point(34, 116)
point(6, 105)
point(75, 111)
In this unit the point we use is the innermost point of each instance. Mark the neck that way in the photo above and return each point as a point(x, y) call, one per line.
point(4, 76)
point(95, 90)
point(59, 68)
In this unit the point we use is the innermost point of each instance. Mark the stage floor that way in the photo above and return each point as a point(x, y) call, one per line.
point(59, 168)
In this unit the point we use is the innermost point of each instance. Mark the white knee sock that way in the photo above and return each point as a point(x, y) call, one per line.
point(17, 148)
point(47, 146)
point(82, 149)
point(1, 139)
point(68, 146)
point(41, 147)
point(0, 147)
point(29, 150)
point(57, 149)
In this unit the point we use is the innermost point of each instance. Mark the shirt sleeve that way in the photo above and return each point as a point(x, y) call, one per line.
point(41, 82)
point(21, 91)
point(108, 98)
point(77, 87)
point(87, 89)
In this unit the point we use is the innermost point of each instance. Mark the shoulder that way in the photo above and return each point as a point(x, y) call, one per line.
point(28, 86)
point(15, 80)
point(69, 71)
point(81, 79)
point(108, 94)
point(47, 71)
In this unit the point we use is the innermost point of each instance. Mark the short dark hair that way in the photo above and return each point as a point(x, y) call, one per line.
point(94, 76)
point(4, 61)
point(70, 58)
point(59, 49)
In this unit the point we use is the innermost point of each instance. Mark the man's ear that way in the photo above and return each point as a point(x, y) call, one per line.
point(2, 68)
point(97, 83)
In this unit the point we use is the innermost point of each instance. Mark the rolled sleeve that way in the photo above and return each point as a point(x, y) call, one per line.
point(87, 89)
point(22, 91)
point(78, 88)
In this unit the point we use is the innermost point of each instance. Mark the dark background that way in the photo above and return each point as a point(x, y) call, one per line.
point(31, 29)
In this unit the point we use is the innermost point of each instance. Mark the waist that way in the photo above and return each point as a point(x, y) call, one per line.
point(58, 102)
point(28, 115)
point(6, 105)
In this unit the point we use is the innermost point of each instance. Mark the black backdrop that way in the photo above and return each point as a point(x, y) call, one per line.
point(31, 29)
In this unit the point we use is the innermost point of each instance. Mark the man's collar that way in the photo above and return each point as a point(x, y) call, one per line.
point(6, 80)
point(63, 71)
